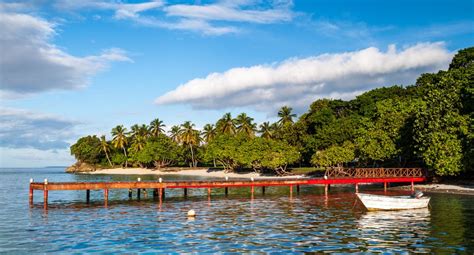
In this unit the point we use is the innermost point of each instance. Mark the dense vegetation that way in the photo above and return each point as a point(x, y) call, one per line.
point(428, 124)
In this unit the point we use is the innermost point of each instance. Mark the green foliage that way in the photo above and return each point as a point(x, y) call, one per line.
point(463, 59)
point(335, 155)
point(159, 151)
point(439, 125)
point(87, 149)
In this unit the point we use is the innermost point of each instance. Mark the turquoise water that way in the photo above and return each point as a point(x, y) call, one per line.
point(274, 222)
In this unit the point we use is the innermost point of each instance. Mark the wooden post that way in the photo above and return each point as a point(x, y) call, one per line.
point(160, 194)
point(251, 190)
point(385, 186)
point(291, 190)
point(226, 191)
point(412, 186)
point(326, 189)
point(88, 196)
point(185, 190)
point(145, 193)
point(155, 193)
point(130, 193)
point(297, 189)
point(357, 187)
point(163, 195)
point(31, 195)
point(138, 194)
point(263, 190)
point(106, 196)
point(209, 192)
point(45, 194)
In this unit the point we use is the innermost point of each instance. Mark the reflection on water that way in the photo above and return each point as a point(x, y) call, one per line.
point(395, 229)
point(274, 222)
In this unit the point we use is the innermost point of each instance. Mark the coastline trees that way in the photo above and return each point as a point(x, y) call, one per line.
point(429, 124)
point(119, 140)
point(105, 147)
point(190, 137)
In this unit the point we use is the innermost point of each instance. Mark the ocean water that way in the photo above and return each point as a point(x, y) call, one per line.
point(274, 222)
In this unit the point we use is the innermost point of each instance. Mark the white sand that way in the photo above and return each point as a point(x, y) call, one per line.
point(445, 187)
point(203, 172)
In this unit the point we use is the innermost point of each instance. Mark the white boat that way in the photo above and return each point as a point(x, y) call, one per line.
point(378, 202)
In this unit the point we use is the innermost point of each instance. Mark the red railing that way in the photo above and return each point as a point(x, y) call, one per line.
point(339, 172)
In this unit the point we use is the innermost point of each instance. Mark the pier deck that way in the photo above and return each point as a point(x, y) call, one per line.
point(384, 176)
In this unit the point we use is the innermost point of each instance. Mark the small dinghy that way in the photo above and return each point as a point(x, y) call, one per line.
point(378, 202)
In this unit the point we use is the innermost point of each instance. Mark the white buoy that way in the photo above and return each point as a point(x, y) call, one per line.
point(191, 213)
point(139, 179)
point(31, 180)
point(160, 180)
point(45, 181)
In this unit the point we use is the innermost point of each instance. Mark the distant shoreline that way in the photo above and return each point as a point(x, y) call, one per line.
point(199, 172)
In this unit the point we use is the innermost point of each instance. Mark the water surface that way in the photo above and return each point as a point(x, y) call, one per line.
point(274, 222)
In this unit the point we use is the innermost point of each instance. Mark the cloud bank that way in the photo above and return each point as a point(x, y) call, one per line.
point(24, 129)
point(30, 63)
point(299, 81)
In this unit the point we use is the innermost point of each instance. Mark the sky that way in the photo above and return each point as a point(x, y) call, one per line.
point(71, 68)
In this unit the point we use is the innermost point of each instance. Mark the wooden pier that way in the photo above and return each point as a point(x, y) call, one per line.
point(332, 176)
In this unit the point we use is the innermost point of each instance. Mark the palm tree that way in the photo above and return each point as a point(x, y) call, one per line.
point(119, 140)
point(189, 136)
point(105, 147)
point(135, 130)
point(174, 133)
point(138, 143)
point(227, 125)
point(245, 125)
point(209, 133)
point(266, 130)
point(156, 127)
point(144, 131)
point(285, 115)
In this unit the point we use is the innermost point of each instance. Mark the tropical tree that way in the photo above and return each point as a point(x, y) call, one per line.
point(245, 125)
point(105, 147)
point(226, 124)
point(87, 149)
point(266, 130)
point(208, 133)
point(189, 136)
point(175, 133)
point(156, 127)
point(286, 115)
point(119, 140)
point(335, 155)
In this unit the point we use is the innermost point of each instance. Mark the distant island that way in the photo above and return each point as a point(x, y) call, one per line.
point(428, 124)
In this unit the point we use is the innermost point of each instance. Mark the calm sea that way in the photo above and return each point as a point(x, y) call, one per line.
point(274, 222)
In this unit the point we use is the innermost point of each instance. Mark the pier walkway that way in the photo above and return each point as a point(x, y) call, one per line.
point(332, 176)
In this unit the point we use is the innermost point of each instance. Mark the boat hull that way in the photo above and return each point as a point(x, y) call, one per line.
point(376, 202)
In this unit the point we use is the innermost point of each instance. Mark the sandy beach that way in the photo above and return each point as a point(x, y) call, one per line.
point(201, 172)
point(442, 188)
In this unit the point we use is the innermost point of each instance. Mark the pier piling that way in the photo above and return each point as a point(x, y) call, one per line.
point(88, 195)
point(263, 190)
point(138, 194)
point(185, 191)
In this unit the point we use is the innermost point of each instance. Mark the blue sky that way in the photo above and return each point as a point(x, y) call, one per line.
point(72, 68)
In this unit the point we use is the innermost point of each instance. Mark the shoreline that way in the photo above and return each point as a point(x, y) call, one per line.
point(445, 188)
point(198, 172)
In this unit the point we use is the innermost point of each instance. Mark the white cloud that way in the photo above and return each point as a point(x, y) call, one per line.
point(25, 129)
point(299, 81)
point(196, 18)
point(30, 63)
point(224, 12)
point(30, 157)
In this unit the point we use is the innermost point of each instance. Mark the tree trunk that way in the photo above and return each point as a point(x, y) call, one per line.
point(108, 159)
point(192, 155)
point(126, 157)
point(214, 161)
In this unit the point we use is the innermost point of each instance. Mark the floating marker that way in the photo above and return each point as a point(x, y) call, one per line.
point(191, 213)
